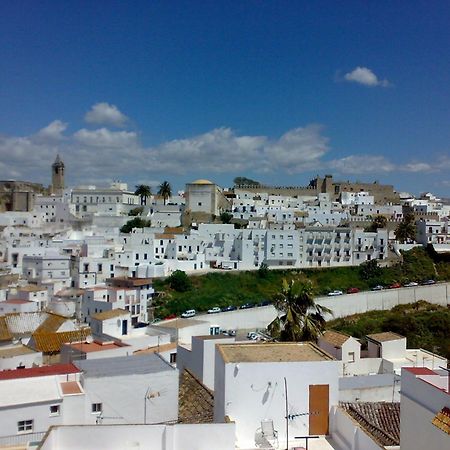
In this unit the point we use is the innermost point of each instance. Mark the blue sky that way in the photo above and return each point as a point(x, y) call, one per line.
point(279, 91)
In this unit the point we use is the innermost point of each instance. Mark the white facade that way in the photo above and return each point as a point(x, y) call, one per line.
point(425, 394)
point(250, 391)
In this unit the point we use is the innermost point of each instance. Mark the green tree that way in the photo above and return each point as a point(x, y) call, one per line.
point(370, 270)
point(137, 222)
point(136, 211)
point(179, 281)
point(165, 190)
point(299, 317)
point(226, 217)
point(144, 192)
point(377, 222)
point(406, 229)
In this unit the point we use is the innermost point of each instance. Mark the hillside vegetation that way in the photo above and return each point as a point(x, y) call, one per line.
point(236, 288)
point(423, 324)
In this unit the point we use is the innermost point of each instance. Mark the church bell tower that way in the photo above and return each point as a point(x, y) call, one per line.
point(57, 176)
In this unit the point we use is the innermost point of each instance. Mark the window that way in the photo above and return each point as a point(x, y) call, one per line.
point(96, 408)
point(351, 356)
point(173, 358)
point(24, 425)
point(54, 410)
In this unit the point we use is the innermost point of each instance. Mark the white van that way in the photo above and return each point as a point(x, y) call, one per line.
point(188, 313)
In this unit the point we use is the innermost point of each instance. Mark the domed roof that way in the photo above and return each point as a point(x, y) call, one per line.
point(202, 182)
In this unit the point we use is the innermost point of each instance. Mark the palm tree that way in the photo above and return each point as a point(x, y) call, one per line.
point(299, 317)
point(165, 190)
point(143, 191)
point(406, 229)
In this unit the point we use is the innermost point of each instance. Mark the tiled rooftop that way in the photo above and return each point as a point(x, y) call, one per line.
point(385, 337)
point(52, 342)
point(442, 420)
point(17, 350)
point(273, 352)
point(195, 401)
point(51, 324)
point(335, 338)
point(381, 420)
point(105, 315)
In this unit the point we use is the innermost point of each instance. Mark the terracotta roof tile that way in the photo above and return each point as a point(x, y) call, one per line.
point(195, 401)
point(442, 420)
point(335, 338)
point(111, 314)
point(381, 420)
point(51, 324)
point(52, 342)
point(5, 334)
point(386, 336)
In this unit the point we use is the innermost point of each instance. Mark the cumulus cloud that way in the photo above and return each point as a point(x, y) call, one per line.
point(103, 137)
point(366, 77)
point(53, 131)
point(100, 155)
point(105, 114)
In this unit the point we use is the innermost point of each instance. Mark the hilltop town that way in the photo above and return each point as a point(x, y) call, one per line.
point(82, 345)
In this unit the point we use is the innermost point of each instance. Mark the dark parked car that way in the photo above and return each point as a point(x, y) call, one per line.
point(247, 306)
point(428, 282)
point(265, 303)
point(229, 308)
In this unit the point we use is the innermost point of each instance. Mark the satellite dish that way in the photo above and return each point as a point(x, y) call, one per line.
point(89, 339)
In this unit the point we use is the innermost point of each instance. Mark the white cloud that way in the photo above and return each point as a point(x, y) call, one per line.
point(417, 167)
point(365, 76)
point(100, 155)
point(103, 137)
point(361, 164)
point(53, 131)
point(105, 114)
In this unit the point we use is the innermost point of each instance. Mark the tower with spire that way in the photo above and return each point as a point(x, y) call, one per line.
point(57, 176)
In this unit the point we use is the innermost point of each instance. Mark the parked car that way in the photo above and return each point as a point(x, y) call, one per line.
point(229, 308)
point(352, 290)
point(189, 313)
point(264, 303)
point(334, 293)
point(395, 286)
point(247, 306)
point(428, 282)
point(411, 284)
point(378, 287)
point(214, 310)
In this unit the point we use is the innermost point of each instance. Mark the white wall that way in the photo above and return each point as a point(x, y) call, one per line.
point(348, 435)
point(161, 437)
point(123, 397)
point(255, 391)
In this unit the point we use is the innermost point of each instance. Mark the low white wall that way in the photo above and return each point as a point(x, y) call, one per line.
point(346, 305)
point(347, 434)
point(156, 437)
